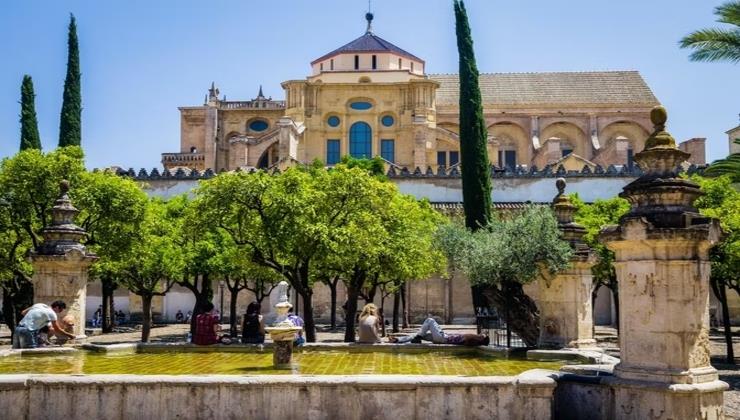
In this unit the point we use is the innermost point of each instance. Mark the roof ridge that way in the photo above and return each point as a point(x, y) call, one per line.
point(541, 72)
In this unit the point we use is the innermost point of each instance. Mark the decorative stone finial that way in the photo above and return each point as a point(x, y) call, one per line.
point(564, 209)
point(560, 185)
point(660, 138)
point(63, 235)
point(565, 212)
point(661, 157)
point(64, 187)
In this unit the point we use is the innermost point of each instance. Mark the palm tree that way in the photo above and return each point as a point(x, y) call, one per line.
point(728, 166)
point(717, 44)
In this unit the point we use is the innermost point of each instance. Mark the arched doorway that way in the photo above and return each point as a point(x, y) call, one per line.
point(361, 140)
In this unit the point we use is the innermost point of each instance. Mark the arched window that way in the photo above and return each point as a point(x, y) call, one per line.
point(361, 140)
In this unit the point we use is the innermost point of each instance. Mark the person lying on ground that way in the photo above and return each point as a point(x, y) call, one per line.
point(431, 331)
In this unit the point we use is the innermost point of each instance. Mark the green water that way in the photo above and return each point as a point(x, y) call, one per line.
point(307, 363)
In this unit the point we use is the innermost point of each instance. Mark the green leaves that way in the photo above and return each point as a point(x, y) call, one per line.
point(594, 217)
point(70, 125)
point(30, 138)
point(476, 177)
point(512, 249)
point(717, 44)
point(722, 201)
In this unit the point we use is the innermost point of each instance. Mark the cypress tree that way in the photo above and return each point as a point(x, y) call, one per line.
point(476, 175)
point(70, 126)
point(30, 138)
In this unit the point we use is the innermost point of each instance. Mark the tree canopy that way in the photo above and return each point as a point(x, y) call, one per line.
point(506, 254)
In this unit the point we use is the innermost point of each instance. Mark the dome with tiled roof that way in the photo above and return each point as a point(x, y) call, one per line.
point(369, 52)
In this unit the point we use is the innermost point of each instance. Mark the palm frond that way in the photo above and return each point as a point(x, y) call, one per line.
point(728, 166)
point(713, 45)
point(729, 13)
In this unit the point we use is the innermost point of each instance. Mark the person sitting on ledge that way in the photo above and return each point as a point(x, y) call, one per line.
point(206, 327)
point(369, 325)
point(253, 329)
point(431, 331)
point(299, 340)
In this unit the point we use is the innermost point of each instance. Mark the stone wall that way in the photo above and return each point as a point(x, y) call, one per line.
point(527, 396)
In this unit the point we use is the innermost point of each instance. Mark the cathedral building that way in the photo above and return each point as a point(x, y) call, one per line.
point(371, 98)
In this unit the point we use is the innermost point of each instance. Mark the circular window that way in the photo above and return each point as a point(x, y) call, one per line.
point(333, 121)
point(258, 125)
point(361, 106)
point(387, 121)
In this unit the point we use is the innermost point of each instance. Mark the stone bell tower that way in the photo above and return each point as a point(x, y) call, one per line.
point(566, 314)
point(60, 263)
point(662, 264)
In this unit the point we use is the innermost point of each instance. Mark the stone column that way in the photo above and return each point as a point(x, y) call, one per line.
point(421, 138)
point(60, 263)
point(566, 314)
point(661, 258)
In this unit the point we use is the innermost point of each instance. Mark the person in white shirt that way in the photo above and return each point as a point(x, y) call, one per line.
point(34, 319)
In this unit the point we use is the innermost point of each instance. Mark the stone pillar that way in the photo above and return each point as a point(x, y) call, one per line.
point(421, 140)
point(282, 355)
point(566, 314)
point(60, 263)
point(661, 258)
point(288, 140)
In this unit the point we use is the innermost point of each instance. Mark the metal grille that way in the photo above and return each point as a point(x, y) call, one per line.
point(489, 322)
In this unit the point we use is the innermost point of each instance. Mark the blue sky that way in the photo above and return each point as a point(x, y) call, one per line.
point(142, 59)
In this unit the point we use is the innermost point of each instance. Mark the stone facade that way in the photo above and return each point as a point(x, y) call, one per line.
point(370, 98)
point(733, 135)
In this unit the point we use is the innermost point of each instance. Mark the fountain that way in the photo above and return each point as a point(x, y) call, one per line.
point(283, 330)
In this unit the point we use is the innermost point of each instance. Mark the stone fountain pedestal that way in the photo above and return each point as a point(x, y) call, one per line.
point(60, 264)
point(662, 264)
point(282, 356)
point(283, 331)
point(566, 314)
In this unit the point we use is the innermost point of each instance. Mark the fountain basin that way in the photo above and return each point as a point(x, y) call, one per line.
point(428, 387)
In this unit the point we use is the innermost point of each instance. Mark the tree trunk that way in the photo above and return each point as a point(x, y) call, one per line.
point(396, 307)
point(353, 293)
point(108, 287)
point(718, 287)
point(522, 312)
point(300, 282)
point(615, 292)
point(309, 324)
point(203, 295)
point(405, 323)
point(17, 296)
point(234, 294)
point(333, 288)
point(146, 315)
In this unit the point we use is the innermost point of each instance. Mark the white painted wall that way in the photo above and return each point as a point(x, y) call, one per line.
point(449, 190)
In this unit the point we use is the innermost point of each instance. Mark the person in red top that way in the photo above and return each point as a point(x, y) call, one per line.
point(206, 327)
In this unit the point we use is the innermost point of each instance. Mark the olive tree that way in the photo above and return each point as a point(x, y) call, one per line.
point(505, 255)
